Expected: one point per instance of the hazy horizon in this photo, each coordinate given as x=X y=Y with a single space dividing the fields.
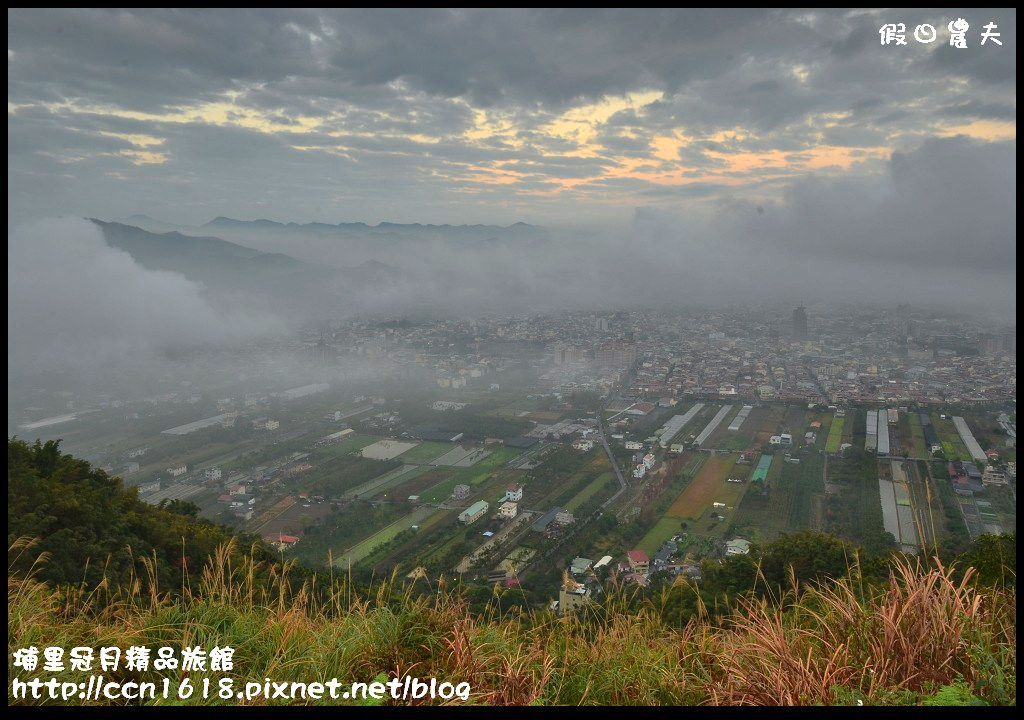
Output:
x=660 y=158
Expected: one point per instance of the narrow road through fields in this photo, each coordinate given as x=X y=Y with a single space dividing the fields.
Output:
x=611 y=459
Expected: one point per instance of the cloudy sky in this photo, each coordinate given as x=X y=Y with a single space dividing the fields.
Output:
x=551 y=117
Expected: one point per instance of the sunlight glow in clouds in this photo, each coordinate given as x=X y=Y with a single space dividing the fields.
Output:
x=599 y=109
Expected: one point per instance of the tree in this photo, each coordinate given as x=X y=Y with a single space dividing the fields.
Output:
x=995 y=559
x=811 y=555
x=91 y=526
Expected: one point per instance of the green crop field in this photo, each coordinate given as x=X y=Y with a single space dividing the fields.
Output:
x=497 y=458
x=796 y=485
x=471 y=476
x=835 y=435
x=788 y=504
x=658 y=535
x=952 y=443
x=386 y=481
x=917 y=436
x=737 y=441
x=360 y=550
x=347 y=444
x=589 y=491
x=425 y=452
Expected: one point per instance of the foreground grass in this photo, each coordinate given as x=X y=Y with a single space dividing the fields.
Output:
x=923 y=638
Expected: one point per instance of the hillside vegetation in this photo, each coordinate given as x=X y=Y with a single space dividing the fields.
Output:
x=786 y=629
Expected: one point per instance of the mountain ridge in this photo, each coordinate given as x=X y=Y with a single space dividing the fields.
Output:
x=224 y=221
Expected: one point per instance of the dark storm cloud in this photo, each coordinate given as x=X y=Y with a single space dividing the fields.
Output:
x=852 y=136
x=991 y=64
x=43 y=131
x=624 y=144
x=854 y=43
x=359 y=90
x=151 y=59
x=159 y=58
x=979 y=109
x=513 y=56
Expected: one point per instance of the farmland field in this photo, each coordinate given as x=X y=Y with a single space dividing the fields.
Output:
x=360 y=550
x=589 y=491
x=566 y=471
x=796 y=485
x=346 y=445
x=658 y=535
x=416 y=483
x=543 y=416
x=835 y=435
x=702 y=491
x=425 y=452
x=463 y=476
x=794 y=420
x=293 y=520
x=501 y=456
x=722 y=434
x=689 y=431
x=334 y=477
x=461 y=456
x=737 y=441
x=383 y=482
x=787 y=506
x=918 y=448
x=386 y=449
x=768 y=419
x=952 y=443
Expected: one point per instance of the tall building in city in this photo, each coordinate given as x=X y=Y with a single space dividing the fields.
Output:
x=1008 y=343
x=615 y=355
x=566 y=354
x=800 y=323
x=322 y=352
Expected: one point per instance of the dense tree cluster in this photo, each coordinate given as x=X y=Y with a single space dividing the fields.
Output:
x=90 y=526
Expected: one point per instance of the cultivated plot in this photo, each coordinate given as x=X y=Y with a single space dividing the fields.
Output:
x=294 y=520
x=460 y=456
x=360 y=550
x=663 y=531
x=897 y=512
x=383 y=482
x=589 y=491
x=415 y=484
x=767 y=421
x=914 y=434
x=425 y=452
x=835 y=435
x=346 y=445
x=723 y=437
x=442 y=491
x=704 y=489
x=387 y=449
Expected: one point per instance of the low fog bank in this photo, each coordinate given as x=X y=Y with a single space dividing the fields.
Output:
x=938 y=231
x=74 y=302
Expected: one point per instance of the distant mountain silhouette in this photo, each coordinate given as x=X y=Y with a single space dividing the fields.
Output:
x=147 y=223
x=194 y=257
x=228 y=268
x=322 y=269
x=519 y=230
